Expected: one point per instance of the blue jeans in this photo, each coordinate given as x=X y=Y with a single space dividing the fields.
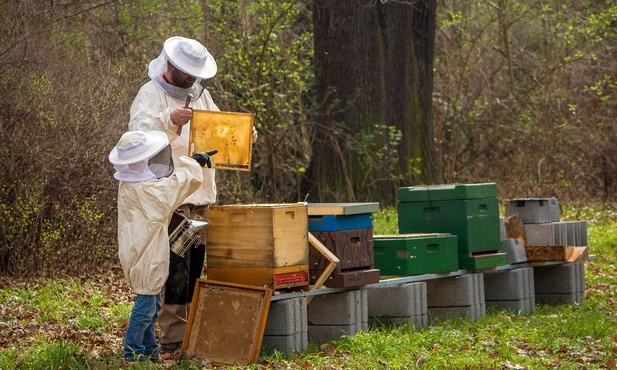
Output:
x=140 y=339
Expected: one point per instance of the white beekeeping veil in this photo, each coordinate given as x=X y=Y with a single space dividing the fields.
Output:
x=141 y=156
x=190 y=57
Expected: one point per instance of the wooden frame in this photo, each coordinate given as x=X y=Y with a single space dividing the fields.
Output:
x=227 y=322
x=334 y=261
x=230 y=133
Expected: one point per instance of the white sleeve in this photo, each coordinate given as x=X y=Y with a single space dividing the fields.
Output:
x=151 y=111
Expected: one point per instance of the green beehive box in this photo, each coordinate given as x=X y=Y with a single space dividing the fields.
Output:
x=474 y=220
x=415 y=254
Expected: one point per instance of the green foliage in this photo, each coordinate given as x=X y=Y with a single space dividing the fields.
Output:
x=58 y=196
x=138 y=28
x=385 y=222
x=264 y=53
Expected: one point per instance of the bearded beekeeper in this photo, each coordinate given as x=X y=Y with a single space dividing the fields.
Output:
x=149 y=192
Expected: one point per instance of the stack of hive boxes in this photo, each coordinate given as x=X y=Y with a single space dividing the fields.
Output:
x=346 y=230
x=259 y=244
x=469 y=211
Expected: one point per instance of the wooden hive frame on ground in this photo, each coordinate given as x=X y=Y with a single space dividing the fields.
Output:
x=227 y=322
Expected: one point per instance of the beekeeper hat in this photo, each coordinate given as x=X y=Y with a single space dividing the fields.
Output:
x=137 y=146
x=190 y=57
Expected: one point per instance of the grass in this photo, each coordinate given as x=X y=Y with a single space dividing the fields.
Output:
x=79 y=324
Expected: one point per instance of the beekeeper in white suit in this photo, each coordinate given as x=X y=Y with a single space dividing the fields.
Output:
x=149 y=192
x=179 y=74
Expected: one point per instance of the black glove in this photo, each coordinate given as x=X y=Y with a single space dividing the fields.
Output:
x=204 y=158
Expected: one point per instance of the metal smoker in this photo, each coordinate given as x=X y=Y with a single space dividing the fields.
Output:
x=185 y=233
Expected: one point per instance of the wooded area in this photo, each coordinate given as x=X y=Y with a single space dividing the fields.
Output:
x=518 y=92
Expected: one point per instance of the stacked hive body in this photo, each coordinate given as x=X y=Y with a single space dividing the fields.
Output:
x=471 y=212
x=415 y=254
x=346 y=230
x=260 y=244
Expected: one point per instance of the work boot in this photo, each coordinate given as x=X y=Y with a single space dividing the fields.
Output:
x=170 y=347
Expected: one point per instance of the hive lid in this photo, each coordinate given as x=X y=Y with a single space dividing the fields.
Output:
x=412 y=236
x=322 y=209
x=426 y=193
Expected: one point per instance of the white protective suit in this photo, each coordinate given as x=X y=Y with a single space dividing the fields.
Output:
x=144 y=211
x=150 y=111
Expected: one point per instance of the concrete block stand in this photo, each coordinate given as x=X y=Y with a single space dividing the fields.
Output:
x=286 y=327
x=514 y=250
x=456 y=296
x=397 y=304
x=512 y=290
x=292 y=324
x=572 y=233
x=331 y=316
x=557 y=284
x=541 y=234
x=535 y=210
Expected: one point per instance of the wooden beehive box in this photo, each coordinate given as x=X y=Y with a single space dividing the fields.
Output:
x=258 y=244
x=346 y=230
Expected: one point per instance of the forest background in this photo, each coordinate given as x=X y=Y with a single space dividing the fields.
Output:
x=523 y=95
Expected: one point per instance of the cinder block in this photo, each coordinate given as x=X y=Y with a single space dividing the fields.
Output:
x=564 y=283
x=502 y=229
x=286 y=327
x=572 y=233
x=540 y=234
x=535 y=210
x=287 y=317
x=583 y=232
x=575 y=233
x=560 y=234
x=506 y=285
x=406 y=302
x=330 y=316
x=563 y=278
x=456 y=296
x=285 y=343
x=462 y=290
x=514 y=250
x=345 y=308
x=511 y=289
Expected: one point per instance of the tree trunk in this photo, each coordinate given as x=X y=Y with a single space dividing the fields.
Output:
x=374 y=66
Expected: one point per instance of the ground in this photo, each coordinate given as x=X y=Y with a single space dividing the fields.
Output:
x=20 y=324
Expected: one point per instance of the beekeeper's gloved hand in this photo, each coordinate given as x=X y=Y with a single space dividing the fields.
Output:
x=204 y=158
